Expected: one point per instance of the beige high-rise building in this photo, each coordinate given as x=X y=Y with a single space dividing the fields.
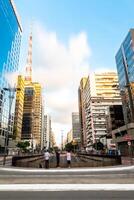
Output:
x=82 y=107
x=32 y=114
x=46 y=131
x=19 y=108
x=99 y=93
x=105 y=85
x=32 y=109
x=28 y=114
x=52 y=139
x=75 y=126
x=37 y=119
x=69 y=136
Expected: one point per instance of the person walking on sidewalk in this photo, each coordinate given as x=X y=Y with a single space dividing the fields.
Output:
x=47 y=156
x=69 y=159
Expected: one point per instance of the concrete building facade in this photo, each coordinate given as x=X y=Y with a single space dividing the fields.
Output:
x=82 y=108
x=69 y=136
x=75 y=126
x=37 y=118
x=99 y=93
x=19 y=108
x=47 y=131
x=28 y=115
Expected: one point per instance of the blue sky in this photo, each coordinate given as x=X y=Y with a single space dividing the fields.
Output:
x=106 y=22
x=96 y=27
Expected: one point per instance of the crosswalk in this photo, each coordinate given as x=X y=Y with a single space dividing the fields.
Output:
x=66 y=187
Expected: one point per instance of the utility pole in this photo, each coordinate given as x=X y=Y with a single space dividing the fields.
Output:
x=61 y=140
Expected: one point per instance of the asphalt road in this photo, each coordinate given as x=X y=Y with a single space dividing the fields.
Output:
x=109 y=183
x=68 y=195
x=67 y=176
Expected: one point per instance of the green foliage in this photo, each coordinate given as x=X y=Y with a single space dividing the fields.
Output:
x=98 y=146
x=69 y=146
x=23 y=145
x=55 y=148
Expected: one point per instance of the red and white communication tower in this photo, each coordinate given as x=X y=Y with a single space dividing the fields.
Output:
x=28 y=76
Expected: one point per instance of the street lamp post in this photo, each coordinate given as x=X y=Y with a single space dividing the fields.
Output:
x=61 y=140
x=11 y=97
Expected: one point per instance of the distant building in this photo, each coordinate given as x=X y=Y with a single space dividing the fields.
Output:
x=10 y=41
x=75 y=126
x=42 y=127
x=47 y=131
x=52 y=140
x=82 y=108
x=69 y=136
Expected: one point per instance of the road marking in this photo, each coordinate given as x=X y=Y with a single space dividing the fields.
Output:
x=66 y=187
x=102 y=169
x=61 y=175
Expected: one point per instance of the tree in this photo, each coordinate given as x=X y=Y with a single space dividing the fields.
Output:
x=23 y=145
x=69 y=146
x=55 y=148
x=98 y=146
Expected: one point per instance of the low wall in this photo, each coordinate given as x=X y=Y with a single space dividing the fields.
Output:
x=127 y=160
x=84 y=160
x=27 y=161
x=100 y=160
x=8 y=161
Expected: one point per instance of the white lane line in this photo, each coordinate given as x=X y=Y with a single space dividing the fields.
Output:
x=103 y=169
x=66 y=187
x=61 y=175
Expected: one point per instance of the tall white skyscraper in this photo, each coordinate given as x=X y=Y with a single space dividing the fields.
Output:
x=47 y=131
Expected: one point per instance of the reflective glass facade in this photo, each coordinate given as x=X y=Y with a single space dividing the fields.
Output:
x=10 y=40
x=128 y=48
x=125 y=67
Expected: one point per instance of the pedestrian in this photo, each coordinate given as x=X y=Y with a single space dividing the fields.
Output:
x=68 y=158
x=46 y=156
x=57 y=158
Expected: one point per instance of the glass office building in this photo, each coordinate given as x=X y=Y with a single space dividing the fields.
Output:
x=10 y=40
x=125 y=67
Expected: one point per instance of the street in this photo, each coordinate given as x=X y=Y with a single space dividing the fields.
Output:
x=75 y=183
x=68 y=195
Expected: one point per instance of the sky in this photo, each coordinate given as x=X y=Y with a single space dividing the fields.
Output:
x=71 y=38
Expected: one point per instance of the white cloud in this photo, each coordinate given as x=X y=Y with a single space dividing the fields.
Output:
x=11 y=78
x=60 y=129
x=59 y=67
